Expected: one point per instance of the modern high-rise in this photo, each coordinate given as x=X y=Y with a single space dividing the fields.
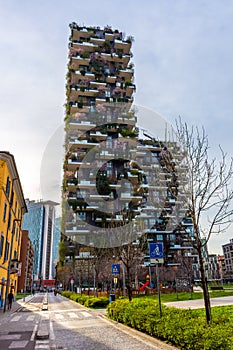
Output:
x=39 y=222
x=119 y=183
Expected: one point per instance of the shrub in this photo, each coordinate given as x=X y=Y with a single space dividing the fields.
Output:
x=86 y=300
x=66 y=294
x=101 y=302
x=186 y=329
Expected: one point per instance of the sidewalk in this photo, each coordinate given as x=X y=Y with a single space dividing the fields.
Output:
x=199 y=303
x=16 y=305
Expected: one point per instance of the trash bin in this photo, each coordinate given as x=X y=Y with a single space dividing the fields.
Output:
x=112 y=297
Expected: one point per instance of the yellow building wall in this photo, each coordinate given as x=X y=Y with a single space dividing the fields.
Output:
x=11 y=215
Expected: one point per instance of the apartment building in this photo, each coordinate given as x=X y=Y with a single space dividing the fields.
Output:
x=25 y=271
x=12 y=210
x=119 y=183
x=228 y=257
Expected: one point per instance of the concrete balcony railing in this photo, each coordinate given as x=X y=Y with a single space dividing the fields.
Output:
x=81 y=125
x=123 y=45
x=86 y=46
x=76 y=61
x=75 y=144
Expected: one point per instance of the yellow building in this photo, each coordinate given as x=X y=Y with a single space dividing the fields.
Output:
x=12 y=209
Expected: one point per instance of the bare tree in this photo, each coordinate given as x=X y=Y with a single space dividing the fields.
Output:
x=208 y=192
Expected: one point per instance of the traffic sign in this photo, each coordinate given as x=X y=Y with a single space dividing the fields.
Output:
x=115 y=269
x=156 y=252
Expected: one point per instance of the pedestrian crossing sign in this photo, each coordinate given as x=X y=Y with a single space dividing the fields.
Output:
x=115 y=269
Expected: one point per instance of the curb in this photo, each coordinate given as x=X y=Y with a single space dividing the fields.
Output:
x=42 y=331
x=45 y=303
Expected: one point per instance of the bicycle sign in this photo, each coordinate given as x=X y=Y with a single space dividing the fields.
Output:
x=156 y=252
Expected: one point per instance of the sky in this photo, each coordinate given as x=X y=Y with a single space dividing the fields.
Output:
x=183 y=56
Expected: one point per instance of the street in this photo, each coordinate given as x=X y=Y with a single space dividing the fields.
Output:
x=70 y=326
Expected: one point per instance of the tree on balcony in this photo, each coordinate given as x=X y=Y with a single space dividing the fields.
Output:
x=102 y=183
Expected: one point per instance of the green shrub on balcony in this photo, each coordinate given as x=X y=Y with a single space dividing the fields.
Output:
x=85 y=54
x=129 y=133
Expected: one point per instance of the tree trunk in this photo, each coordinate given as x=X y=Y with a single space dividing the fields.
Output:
x=204 y=282
x=128 y=284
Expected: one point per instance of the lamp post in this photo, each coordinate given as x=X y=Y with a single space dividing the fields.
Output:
x=9 y=263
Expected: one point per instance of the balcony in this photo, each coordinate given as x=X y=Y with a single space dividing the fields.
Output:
x=109 y=36
x=99 y=100
x=129 y=196
x=82 y=74
x=86 y=46
x=122 y=45
x=145 y=146
x=96 y=84
x=99 y=196
x=82 y=125
x=71 y=184
x=86 y=184
x=77 y=230
x=82 y=33
x=76 y=92
x=73 y=164
x=127 y=120
x=98 y=135
x=127 y=74
x=76 y=144
x=76 y=61
x=97 y=41
x=107 y=155
x=111 y=79
x=129 y=90
x=78 y=107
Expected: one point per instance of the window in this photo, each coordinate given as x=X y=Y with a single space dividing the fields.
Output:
x=9 y=222
x=12 y=197
x=1 y=244
x=82 y=216
x=5 y=211
x=6 y=251
x=8 y=186
x=16 y=234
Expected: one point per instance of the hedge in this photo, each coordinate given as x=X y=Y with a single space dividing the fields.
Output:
x=86 y=300
x=186 y=329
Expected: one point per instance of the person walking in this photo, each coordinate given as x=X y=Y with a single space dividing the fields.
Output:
x=10 y=300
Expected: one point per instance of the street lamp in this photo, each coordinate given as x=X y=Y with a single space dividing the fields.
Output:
x=9 y=263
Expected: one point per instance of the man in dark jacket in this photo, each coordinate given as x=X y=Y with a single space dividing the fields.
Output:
x=10 y=300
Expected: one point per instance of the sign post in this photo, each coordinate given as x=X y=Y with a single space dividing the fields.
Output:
x=157 y=257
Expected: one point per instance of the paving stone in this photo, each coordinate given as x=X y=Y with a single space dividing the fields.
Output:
x=18 y=344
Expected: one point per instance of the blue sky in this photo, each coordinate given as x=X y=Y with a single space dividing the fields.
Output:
x=183 y=56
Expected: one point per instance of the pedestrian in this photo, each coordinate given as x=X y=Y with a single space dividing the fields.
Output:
x=10 y=300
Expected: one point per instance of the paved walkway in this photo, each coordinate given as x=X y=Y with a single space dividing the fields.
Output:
x=199 y=303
